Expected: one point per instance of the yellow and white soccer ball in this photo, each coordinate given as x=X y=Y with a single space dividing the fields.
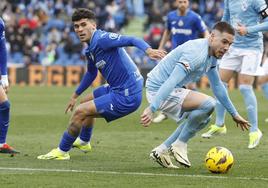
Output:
x=219 y=160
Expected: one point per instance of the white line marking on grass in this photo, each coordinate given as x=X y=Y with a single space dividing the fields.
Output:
x=131 y=173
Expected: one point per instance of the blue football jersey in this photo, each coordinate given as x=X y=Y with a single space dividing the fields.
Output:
x=247 y=13
x=105 y=52
x=184 y=28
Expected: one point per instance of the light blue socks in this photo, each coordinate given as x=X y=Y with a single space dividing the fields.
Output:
x=251 y=105
x=196 y=121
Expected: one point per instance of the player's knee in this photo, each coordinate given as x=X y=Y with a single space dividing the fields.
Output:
x=209 y=105
x=79 y=113
x=74 y=129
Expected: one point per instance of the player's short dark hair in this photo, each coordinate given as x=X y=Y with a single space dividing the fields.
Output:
x=224 y=27
x=82 y=13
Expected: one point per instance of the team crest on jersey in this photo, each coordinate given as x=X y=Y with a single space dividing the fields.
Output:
x=113 y=36
x=244 y=5
x=180 y=23
x=100 y=64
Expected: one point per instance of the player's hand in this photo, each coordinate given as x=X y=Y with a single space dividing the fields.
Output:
x=71 y=103
x=146 y=117
x=156 y=54
x=240 y=121
x=4 y=82
x=241 y=29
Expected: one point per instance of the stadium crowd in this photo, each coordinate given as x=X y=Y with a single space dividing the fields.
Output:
x=40 y=32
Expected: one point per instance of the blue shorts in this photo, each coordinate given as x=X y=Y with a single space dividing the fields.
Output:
x=112 y=105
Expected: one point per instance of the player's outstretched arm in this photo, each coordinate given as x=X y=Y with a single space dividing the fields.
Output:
x=222 y=95
x=113 y=40
x=155 y=54
x=86 y=81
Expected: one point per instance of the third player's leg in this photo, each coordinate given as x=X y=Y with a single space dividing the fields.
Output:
x=84 y=113
x=3 y=96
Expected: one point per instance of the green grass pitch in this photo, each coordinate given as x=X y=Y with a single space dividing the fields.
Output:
x=120 y=149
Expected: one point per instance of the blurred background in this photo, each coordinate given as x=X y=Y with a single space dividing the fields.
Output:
x=39 y=32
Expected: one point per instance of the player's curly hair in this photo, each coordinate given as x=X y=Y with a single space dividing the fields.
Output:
x=81 y=13
x=224 y=27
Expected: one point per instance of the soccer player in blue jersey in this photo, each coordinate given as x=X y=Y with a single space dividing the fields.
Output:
x=187 y=63
x=182 y=25
x=4 y=103
x=120 y=97
x=249 y=18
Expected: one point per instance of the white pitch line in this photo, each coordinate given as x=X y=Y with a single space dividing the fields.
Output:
x=131 y=173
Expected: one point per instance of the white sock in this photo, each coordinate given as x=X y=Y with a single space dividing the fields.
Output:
x=180 y=144
x=1 y=145
x=82 y=142
x=63 y=152
x=162 y=147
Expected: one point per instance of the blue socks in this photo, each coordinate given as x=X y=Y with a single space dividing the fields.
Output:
x=220 y=111
x=4 y=120
x=251 y=105
x=86 y=133
x=66 y=142
x=196 y=121
x=265 y=89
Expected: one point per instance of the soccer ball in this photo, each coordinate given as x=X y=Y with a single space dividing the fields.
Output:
x=219 y=160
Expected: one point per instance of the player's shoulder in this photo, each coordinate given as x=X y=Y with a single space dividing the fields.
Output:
x=196 y=47
x=101 y=34
x=197 y=42
x=172 y=13
x=193 y=14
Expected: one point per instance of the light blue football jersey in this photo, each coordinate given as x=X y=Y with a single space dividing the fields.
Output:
x=192 y=54
x=247 y=13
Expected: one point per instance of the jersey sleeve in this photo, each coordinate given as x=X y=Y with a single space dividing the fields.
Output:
x=3 y=50
x=200 y=24
x=88 y=78
x=177 y=75
x=168 y=23
x=220 y=91
x=187 y=58
x=113 y=40
x=259 y=5
x=226 y=12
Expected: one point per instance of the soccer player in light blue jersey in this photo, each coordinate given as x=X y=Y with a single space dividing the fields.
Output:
x=120 y=97
x=249 y=18
x=263 y=80
x=4 y=102
x=187 y=63
x=182 y=25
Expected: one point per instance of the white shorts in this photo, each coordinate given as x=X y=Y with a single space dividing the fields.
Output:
x=265 y=67
x=173 y=104
x=244 y=61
